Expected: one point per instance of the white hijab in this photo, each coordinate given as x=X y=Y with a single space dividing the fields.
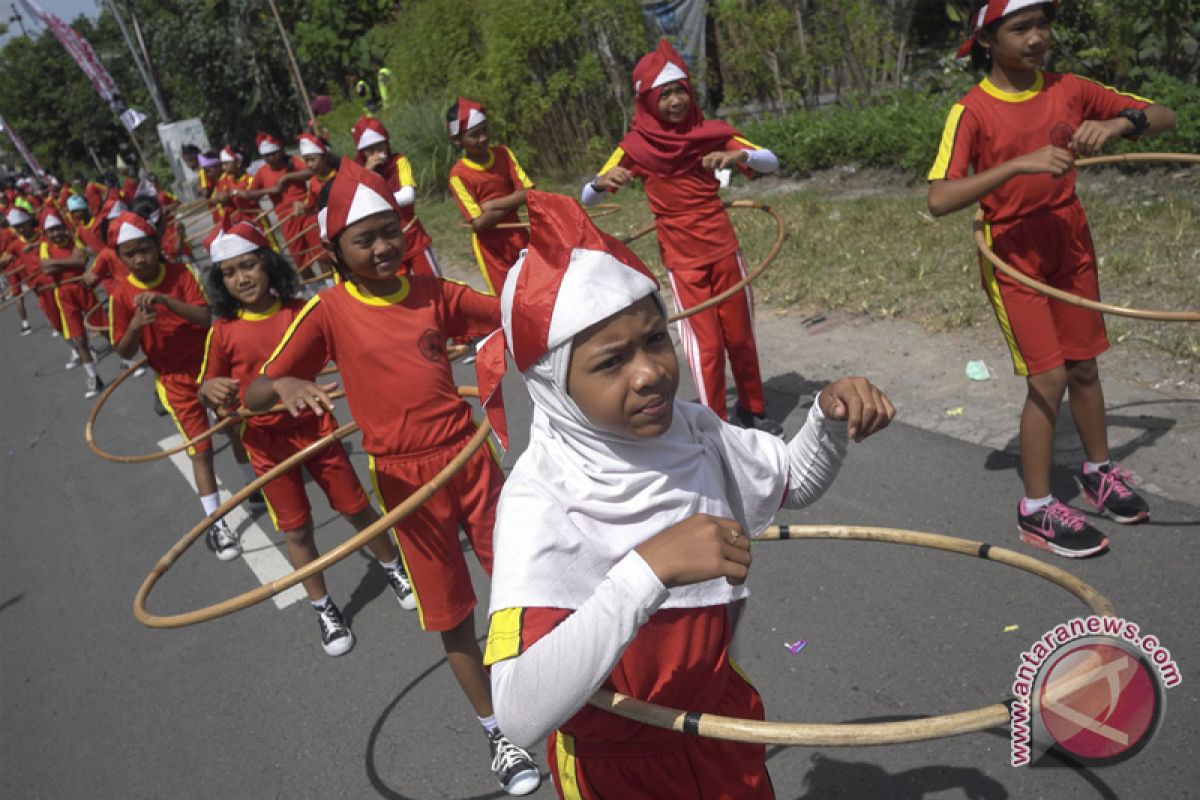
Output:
x=581 y=497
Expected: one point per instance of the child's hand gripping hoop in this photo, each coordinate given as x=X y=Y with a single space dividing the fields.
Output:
x=751 y=276
x=232 y=419
x=268 y=590
x=1074 y=299
x=855 y=734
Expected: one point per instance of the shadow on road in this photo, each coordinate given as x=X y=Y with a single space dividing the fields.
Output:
x=12 y=601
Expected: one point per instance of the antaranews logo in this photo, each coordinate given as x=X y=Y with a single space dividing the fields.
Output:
x=1094 y=687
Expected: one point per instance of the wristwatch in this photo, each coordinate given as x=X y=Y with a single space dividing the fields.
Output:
x=1138 y=117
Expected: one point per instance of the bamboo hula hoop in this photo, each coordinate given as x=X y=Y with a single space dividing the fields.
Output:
x=89 y=429
x=322 y=563
x=855 y=734
x=92 y=328
x=601 y=209
x=751 y=276
x=985 y=249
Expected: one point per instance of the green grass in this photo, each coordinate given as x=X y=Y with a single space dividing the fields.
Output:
x=883 y=256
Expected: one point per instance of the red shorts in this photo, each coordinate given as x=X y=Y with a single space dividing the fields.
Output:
x=73 y=300
x=428 y=538
x=48 y=305
x=1055 y=247
x=286 y=499
x=178 y=393
x=674 y=767
x=422 y=263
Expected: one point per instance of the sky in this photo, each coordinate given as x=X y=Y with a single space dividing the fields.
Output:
x=68 y=10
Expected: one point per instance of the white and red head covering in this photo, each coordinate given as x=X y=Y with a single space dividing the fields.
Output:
x=366 y=132
x=354 y=194
x=128 y=227
x=17 y=216
x=310 y=145
x=994 y=11
x=661 y=147
x=112 y=208
x=267 y=144
x=470 y=114
x=237 y=240
x=229 y=155
x=51 y=220
x=581 y=497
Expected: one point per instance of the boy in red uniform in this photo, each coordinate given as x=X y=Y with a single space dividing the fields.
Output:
x=387 y=333
x=1010 y=144
x=63 y=257
x=285 y=180
x=373 y=150
x=234 y=177
x=14 y=258
x=160 y=307
x=675 y=151
x=253 y=291
x=489 y=186
x=622 y=534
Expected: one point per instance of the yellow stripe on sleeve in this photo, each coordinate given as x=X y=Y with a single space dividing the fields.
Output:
x=404 y=172
x=504 y=636
x=207 y=349
x=746 y=142
x=287 y=335
x=521 y=176
x=613 y=161
x=941 y=164
x=1105 y=86
x=464 y=197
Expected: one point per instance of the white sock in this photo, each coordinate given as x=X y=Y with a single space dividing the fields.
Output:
x=126 y=363
x=320 y=604
x=489 y=723
x=391 y=565
x=210 y=502
x=90 y=369
x=247 y=471
x=1030 y=505
x=1094 y=466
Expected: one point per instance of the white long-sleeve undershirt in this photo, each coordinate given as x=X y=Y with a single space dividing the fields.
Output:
x=406 y=196
x=543 y=687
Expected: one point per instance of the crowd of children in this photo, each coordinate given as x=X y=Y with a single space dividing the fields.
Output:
x=618 y=547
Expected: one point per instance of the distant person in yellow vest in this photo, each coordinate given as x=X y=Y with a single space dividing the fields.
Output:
x=383 y=82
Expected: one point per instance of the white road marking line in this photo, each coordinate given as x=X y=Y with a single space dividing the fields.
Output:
x=261 y=554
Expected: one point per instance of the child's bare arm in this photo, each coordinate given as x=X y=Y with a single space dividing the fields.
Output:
x=296 y=394
x=1093 y=134
x=219 y=392
x=495 y=210
x=200 y=316
x=949 y=195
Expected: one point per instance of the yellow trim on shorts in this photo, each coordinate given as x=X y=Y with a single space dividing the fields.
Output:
x=568 y=775
x=395 y=539
x=161 y=391
x=504 y=635
x=62 y=315
x=992 y=287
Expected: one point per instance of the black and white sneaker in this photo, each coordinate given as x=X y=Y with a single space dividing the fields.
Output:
x=256 y=502
x=512 y=766
x=26 y=328
x=1110 y=491
x=94 y=385
x=222 y=542
x=336 y=636
x=756 y=422
x=75 y=360
x=398 y=579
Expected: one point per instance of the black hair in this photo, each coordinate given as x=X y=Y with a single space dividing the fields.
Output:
x=981 y=57
x=375 y=59
x=145 y=206
x=282 y=279
x=322 y=202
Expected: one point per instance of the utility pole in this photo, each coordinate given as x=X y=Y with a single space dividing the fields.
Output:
x=148 y=79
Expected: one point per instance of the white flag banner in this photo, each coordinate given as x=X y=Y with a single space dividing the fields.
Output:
x=86 y=58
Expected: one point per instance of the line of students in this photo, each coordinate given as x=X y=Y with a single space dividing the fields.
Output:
x=618 y=548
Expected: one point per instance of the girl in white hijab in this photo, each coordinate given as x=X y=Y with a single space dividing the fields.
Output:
x=621 y=536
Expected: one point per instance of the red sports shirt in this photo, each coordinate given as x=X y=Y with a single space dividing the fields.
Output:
x=474 y=184
x=171 y=343
x=237 y=348
x=693 y=228
x=989 y=127
x=282 y=195
x=391 y=355
x=108 y=265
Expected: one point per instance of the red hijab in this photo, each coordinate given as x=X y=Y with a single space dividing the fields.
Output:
x=660 y=147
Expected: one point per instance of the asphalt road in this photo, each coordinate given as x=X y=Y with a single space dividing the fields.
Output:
x=95 y=705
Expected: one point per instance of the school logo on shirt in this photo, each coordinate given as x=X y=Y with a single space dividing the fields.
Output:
x=432 y=345
x=1061 y=135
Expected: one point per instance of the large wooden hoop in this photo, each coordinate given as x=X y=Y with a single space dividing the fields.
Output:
x=91 y=327
x=855 y=734
x=257 y=595
x=751 y=276
x=1074 y=299
x=601 y=209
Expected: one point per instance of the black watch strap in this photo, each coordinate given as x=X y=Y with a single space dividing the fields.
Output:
x=1138 y=117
